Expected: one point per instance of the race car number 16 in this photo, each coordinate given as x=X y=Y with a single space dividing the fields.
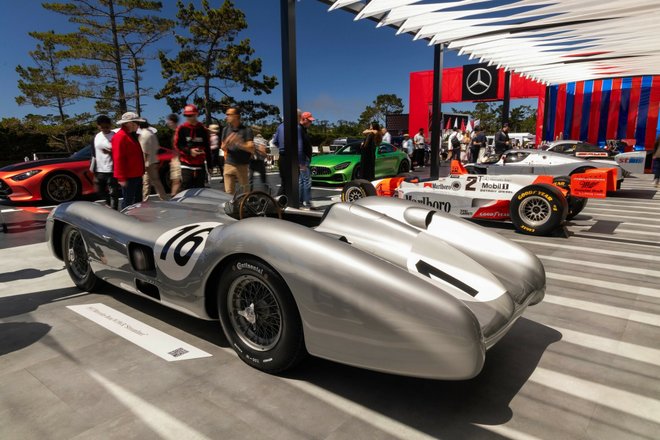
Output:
x=177 y=250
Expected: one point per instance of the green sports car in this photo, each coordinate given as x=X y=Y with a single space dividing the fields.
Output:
x=344 y=165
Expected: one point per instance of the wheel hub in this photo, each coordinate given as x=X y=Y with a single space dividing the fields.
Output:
x=535 y=210
x=249 y=314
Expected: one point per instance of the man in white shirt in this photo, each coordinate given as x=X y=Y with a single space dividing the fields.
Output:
x=407 y=147
x=387 y=137
x=150 y=145
x=420 y=144
x=105 y=184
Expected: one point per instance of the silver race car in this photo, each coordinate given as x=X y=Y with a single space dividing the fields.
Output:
x=539 y=162
x=383 y=284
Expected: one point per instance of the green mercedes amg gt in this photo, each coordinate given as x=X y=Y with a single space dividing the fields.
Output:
x=344 y=165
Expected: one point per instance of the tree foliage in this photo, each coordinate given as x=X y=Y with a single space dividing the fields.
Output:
x=107 y=29
x=211 y=60
x=522 y=119
x=46 y=85
x=382 y=106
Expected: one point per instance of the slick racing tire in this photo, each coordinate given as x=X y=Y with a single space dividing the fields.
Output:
x=357 y=189
x=60 y=188
x=538 y=209
x=260 y=317
x=575 y=204
x=76 y=259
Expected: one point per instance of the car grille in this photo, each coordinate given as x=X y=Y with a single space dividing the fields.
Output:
x=321 y=171
x=5 y=190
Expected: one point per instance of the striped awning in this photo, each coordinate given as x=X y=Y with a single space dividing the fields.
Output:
x=552 y=41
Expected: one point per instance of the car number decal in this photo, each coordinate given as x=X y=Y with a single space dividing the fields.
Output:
x=178 y=250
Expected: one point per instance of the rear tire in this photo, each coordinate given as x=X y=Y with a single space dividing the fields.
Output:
x=259 y=316
x=538 y=209
x=357 y=189
x=404 y=167
x=76 y=259
x=60 y=188
x=575 y=204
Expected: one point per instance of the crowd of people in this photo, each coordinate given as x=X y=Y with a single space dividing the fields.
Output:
x=126 y=160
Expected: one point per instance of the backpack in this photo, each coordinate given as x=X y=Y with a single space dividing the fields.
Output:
x=455 y=143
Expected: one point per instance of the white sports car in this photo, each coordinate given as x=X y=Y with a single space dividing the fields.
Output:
x=539 y=162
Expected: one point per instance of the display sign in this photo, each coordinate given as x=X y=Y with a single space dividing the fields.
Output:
x=480 y=82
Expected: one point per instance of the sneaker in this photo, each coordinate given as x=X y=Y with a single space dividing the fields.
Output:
x=305 y=208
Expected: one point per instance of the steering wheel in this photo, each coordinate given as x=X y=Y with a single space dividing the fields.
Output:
x=258 y=204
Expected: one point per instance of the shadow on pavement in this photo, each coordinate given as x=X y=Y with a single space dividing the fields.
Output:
x=647 y=194
x=18 y=335
x=25 y=274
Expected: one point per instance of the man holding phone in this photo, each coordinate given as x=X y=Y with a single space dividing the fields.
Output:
x=191 y=141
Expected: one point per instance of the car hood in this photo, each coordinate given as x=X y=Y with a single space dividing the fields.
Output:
x=330 y=160
x=38 y=163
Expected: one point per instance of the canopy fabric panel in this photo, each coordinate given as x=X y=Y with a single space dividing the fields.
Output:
x=550 y=41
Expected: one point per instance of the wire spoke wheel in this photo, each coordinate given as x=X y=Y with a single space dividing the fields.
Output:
x=254 y=312
x=77 y=255
x=535 y=210
x=61 y=188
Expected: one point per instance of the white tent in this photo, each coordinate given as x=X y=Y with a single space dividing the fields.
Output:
x=553 y=41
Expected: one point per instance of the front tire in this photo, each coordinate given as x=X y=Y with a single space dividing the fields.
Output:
x=357 y=189
x=76 y=259
x=404 y=167
x=538 y=209
x=259 y=316
x=60 y=187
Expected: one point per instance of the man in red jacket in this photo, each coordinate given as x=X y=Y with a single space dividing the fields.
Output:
x=128 y=159
x=192 y=142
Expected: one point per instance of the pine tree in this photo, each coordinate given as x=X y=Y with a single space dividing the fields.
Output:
x=382 y=106
x=100 y=43
x=210 y=59
x=46 y=85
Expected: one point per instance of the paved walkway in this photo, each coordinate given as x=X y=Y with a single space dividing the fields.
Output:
x=583 y=364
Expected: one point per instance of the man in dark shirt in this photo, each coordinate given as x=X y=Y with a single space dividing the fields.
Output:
x=238 y=146
x=479 y=141
x=502 y=142
x=191 y=141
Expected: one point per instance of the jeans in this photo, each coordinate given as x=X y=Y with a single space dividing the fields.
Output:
x=106 y=186
x=132 y=192
x=305 y=185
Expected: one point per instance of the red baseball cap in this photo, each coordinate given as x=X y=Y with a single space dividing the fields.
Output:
x=307 y=115
x=190 y=109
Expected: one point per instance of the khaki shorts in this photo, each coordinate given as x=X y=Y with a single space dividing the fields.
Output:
x=175 y=169
x=235 y=174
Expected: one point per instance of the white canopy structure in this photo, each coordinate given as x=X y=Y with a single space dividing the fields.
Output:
x=553 y=41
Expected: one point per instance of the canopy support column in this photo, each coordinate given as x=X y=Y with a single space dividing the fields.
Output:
x=290 y=100
x=436 y=121
x=506 y=105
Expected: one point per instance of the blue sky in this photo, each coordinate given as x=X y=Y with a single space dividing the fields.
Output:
x=342 y=64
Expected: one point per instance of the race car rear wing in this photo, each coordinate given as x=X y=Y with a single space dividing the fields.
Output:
x=594 y=183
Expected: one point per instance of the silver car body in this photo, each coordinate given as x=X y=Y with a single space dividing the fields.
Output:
x=384 y=284
x=539 y=162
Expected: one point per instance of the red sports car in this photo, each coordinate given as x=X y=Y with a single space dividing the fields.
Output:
x=58 y=180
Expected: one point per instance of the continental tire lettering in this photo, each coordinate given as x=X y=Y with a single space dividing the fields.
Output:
x=248 y=266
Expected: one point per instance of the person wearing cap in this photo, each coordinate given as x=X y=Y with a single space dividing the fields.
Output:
x=502 y=141
x=238 y=146
x=172 y=122
x=150 y=145
x=191 y=141
x=128 y=159
x=408 y=148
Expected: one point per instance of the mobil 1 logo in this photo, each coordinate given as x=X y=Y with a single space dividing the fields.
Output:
x=178 y=249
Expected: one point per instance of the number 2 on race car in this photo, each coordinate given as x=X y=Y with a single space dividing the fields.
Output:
x=178 y=249
x=471 y=181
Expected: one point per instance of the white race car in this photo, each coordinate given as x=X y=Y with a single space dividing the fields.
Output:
x=536 y=205
x=546 y=163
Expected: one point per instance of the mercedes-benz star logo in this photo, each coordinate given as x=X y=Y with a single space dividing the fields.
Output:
x=479 y=81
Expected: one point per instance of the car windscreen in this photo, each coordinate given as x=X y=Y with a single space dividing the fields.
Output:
x=515 y=156
x=84 y=154
x=349 y=149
